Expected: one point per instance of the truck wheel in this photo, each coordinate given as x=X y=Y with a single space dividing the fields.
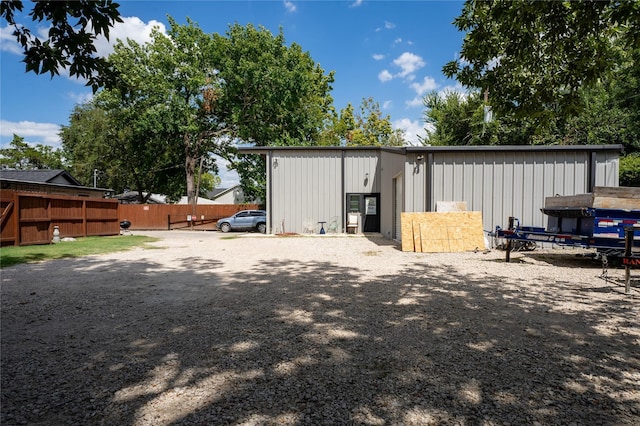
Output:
x=262 y=228
x=225 y=227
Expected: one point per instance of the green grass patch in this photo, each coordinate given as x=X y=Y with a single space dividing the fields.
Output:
x=12 y=255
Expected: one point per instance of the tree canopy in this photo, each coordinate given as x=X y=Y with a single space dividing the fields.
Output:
x=22 y=156
x=274 y=95
x=365 y=127
x=74 y=27
x=533 y=57
x=188 y=95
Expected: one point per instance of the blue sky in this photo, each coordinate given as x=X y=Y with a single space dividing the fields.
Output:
x=392 y=51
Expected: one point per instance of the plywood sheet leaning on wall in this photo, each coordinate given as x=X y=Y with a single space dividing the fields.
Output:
x=438 y=232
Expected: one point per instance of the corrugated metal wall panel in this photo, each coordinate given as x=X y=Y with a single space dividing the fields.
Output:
x=503 y=184
x=392 y=165
x=415 y=187
x=306 y=190
x=362 y=174
x=307 y=185
x=607 y=169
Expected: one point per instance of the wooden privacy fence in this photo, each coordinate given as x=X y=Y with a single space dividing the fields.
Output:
x=178 y=216
x=29 y=218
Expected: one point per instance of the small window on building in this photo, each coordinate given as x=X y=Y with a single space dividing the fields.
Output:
x=354 y=203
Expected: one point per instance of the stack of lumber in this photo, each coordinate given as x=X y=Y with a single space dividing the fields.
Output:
x=602 y=197
x=440 y=232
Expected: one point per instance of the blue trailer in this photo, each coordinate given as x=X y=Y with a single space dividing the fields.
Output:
x=596 y=220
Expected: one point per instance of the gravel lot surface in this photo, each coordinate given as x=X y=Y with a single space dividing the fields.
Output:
x=204 y=329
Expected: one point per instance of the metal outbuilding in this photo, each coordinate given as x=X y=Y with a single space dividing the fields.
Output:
x=310 y=189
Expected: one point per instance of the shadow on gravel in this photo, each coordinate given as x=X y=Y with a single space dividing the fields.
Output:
x=307 y=343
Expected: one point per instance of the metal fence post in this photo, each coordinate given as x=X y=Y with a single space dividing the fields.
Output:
x=628 y=246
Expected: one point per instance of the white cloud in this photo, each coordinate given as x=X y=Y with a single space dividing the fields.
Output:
x=415 y=102
x=455 y=88
x=385 y=76
x=290 y=6
x=8 y=42
x=80 y=98
x=131 y=28
x=397 y=41
x=356 y=3
x=412 y=130
x=409 y=63
x=387 y=104
x=32 y=132
x=428 y=84
x=389 y=25
x=378 y=56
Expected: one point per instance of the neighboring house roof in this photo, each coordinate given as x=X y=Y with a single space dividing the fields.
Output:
x=131 y=197
x=185 y=200
x=60 y=177
x=216 y=192
x=219 y=192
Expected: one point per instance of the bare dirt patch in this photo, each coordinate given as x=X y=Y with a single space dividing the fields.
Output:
x=260 y=330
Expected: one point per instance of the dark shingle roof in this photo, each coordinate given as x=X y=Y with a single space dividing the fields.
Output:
x=40 y=176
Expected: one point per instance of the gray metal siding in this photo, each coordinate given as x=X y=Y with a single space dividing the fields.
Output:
x=361 y=172
x=308 y=185
x=503 y=184
x=415 y=186
x=306 y=188
x=607 y=169
x=392 y=165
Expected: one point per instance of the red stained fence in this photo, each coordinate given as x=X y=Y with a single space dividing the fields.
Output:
x=29 y=218
x=178 y=216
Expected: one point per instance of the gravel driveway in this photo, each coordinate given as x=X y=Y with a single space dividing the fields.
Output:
x=259 y=330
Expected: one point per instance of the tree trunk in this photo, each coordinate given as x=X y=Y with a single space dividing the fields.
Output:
x=190 y=169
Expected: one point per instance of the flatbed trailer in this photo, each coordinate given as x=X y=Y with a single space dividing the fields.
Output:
x=600 y=220
x=615 y=235
x=601 y=229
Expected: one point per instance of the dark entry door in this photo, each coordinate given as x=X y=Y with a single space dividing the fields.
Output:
x=368 y=205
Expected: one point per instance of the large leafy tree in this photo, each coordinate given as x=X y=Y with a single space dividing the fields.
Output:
x=274 y=95
x=455 y=118
x=534 y=57
x=556 y=73
x=367 y=127
x=164 y=109
x=86 y=145
x=74 y=26
x=187 y=95
x=21 y=155
x=99 y=145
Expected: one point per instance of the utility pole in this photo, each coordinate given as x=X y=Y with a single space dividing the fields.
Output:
x=95 y=178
